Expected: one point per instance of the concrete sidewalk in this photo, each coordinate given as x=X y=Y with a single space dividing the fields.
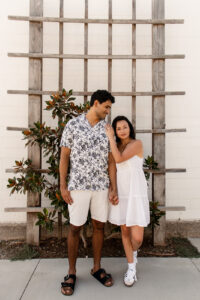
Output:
x=158 y=278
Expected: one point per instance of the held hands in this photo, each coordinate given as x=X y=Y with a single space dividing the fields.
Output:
x=66 y=196
x=109 y=131
x=113 y=197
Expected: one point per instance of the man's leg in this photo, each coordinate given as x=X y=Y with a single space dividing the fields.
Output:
x=99 y=211
x=78 y=212
x=73 y=243
x=97 y=243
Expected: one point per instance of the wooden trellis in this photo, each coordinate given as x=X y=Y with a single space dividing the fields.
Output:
x=158 y=93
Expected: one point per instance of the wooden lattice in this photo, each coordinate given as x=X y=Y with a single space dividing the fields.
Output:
x=158 y=92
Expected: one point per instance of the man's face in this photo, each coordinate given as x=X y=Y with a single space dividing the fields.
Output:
x=102 y=109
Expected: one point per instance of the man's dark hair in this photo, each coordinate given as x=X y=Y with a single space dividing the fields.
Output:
x=101 y=96
x=122 y=118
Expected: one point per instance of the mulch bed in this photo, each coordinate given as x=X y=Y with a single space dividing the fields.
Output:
x=54 y=248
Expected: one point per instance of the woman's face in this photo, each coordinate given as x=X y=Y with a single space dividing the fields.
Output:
x=122 y=130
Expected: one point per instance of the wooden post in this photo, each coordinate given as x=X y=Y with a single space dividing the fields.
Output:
x=34 y=111
x=109 y=52
x=60 y=87
x=134 y=64
x=60 y=79
x=158 y=114
x=86 y=51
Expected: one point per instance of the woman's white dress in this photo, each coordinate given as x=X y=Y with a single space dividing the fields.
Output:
x=133 y=207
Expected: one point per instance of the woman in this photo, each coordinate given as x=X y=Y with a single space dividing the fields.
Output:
x=132 y=212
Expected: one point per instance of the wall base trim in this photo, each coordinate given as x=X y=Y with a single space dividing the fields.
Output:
x=11 y=231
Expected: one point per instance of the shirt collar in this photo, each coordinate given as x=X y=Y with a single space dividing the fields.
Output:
x=84 y=119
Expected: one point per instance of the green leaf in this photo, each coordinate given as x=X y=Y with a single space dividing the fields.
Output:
x=40 y=215
x=45 y=211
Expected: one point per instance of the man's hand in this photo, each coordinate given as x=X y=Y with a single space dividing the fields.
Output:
x=113 y=197
x=66 y=196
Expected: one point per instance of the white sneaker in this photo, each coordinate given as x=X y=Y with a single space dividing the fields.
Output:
x=130 y=276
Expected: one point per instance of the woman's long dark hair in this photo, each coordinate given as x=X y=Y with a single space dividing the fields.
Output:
x=114 y=125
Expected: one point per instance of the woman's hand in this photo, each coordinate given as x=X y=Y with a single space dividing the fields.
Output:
x=109 y=131
x=113 y=197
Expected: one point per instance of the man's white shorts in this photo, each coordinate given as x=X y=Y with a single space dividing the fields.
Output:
x=96 y=201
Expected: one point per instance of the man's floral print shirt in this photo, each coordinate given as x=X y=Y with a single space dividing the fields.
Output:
x=89 y=154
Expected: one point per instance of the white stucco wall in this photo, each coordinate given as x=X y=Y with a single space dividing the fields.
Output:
x=182 y=149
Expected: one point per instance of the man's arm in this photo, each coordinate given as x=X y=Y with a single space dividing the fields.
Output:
x=63 y=168
x=112 y=171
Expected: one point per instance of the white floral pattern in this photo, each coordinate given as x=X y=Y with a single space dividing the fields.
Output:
x=89 y=154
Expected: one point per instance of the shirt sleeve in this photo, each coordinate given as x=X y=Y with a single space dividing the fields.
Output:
x=67 y=136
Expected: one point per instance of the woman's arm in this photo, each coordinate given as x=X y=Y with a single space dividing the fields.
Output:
x=133 y=148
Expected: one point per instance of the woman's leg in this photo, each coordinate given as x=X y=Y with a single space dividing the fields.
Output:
x=130 y=275
x=126 y=240
x=137 y=234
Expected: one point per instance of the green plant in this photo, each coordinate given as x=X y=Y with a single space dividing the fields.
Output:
x=34 y=180
x=155 y=214
x=46 y=219
x=149 y=164
x=30 y=180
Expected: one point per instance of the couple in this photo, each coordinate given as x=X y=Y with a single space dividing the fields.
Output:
x=106 y=177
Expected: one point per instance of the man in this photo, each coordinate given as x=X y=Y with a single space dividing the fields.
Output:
x=92 y=181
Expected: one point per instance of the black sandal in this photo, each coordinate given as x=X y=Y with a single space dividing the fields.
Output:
x=68 y=284
x=103 y=280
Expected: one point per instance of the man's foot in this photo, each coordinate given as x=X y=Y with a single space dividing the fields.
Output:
x=130 y=276
x=103 y=277
x=67 y=287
